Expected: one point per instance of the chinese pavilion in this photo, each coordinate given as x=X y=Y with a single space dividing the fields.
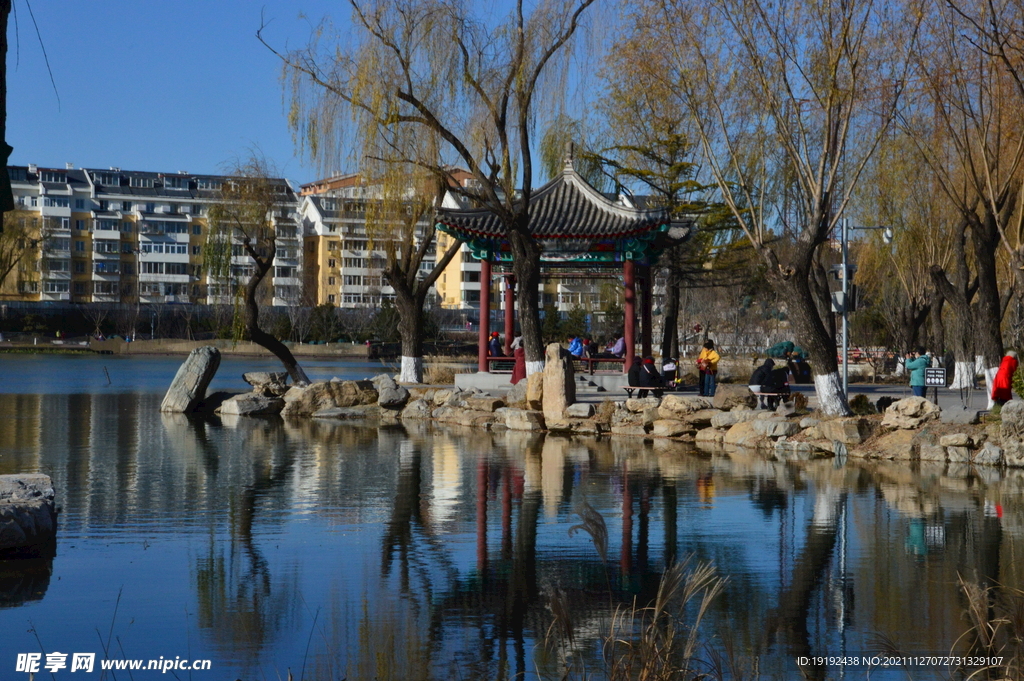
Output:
x=581 y=232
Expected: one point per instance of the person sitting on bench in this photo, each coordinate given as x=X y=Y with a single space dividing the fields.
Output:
x=759 y=378
x=650 y=378
x=776 y=388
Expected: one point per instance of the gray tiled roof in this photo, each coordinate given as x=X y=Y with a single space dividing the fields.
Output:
x=566 y=207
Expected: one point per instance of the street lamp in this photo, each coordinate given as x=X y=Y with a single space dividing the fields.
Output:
x=845 y=306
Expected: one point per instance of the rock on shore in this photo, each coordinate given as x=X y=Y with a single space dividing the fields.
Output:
x=189 y=385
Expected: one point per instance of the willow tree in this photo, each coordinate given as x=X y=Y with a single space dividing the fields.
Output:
x=19 y=244
x=445 y=69
x=777 y=94
x=251 y=203
x=399 y=220
x=969 y=130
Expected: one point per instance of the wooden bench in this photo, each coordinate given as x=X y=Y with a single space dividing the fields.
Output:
x=780 y=395
x=587 y=365
x=500 y=365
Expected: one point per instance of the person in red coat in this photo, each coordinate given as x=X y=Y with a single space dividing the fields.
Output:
x=519 y=367
x=1002 y=385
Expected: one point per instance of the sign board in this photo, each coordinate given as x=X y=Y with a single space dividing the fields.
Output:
x=935 y=377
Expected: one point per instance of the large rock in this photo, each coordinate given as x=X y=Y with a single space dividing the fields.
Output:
x=28 y=517
x=909 y=413
x=489 y=404
x=989 y=455
x=535 y=391
x=268 y=383
x=850 y=431
x=896 y=445
x=516 y=396
x=775 y=427
x=304 y=400
x=958 y=454
x=678 y=406
x=364 y=411
x=727 y=419
x=523 y=419
x=709 y=437
x=189 y=385
x=743 y=434
x=731 y=396
x=392 y=397
x=1012 y=421
x=639 y=405
x=580 y=410
x=559 y=382
x=417 y=409
x=670 y=428
x=251 y=404
x=702 y=418
x=383 y=381
x=956 y=440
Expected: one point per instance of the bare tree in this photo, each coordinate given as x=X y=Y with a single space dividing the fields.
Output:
x=251 y=202
x=777 y=93
x=19 y=243
x=435 y=69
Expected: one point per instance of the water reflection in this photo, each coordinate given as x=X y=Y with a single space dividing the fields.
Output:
x=417 y=552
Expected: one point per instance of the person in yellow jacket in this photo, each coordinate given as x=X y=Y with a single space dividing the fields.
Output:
x=707 y=366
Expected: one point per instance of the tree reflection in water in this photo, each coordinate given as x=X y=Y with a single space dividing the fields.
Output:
x=242 y=607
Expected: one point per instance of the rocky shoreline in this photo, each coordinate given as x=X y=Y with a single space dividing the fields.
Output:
x=909 y=429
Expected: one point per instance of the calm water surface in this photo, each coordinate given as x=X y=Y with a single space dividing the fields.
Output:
x=350 y=551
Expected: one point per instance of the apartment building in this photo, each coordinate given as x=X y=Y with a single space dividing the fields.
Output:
x=113 y=235
x=343 y=260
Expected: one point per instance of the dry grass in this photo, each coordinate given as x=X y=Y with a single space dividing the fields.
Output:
x=603 y=415
x=657 y=642
x=442 y=374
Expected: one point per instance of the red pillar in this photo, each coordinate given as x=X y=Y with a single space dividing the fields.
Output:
x=485 y=313
x=481 y=514
x=646 y=304
x=510 y=312
x=626 y=550
x=629 y=333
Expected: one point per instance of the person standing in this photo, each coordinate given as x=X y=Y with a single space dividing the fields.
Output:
x=707 y=365
x=916 y=363
x=519 y=367
x=1002 y=384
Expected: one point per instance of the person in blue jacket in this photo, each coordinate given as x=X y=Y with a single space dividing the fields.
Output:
x=916 y=363
x=575 y=346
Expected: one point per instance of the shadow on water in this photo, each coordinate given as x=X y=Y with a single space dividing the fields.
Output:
x=24 y=580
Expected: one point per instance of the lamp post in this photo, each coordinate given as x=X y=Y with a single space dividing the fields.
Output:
x=845 y=308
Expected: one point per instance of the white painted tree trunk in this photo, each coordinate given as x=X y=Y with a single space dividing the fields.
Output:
x=412 y=370
x=963 y=376
x=831 y=400
x=534 y=368
x=990 y=377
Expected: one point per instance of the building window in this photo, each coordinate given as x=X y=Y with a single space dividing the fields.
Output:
x=330 y=299
x=54 y=176
x=129 y=268
x=79 y=288
x=55 y=202
x=150 y=207
x=332 y=263
x=79 y=224
x=353 y=280
x=196 y=250
x=333 y=245
x=176 y=182
x=151 y=268
x=109 y=179
x=79 y=267
x=471 y=296
x=471 y=276
x=29 y=286
x=126 y=206
x=106 y=225
x=56 y=286
x=105 y=288
x=197 y=229
x=79 y=245
x=104 y=246
x=330 y=281
x=107 y=267
x=126 y=247
x=176 y=268
x=35 y=201
x=126 y=226
x=143 y=182
x=79 y=204
x=207 y=183
x=284 y=272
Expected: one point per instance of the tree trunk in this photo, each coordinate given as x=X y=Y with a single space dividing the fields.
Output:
x=6 y=196
x=963 y=331
x=261 y=337
x=938 y=331
x=988 y=336
x=815 y=338
x=410 y=328
x=670 y=333
x=526 y=266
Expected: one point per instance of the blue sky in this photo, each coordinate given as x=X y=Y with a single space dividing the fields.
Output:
x=162 y=86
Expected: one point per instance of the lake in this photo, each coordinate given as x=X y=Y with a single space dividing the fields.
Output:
x=350 y=551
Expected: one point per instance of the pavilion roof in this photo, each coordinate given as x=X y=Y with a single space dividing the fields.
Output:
x=569 y=216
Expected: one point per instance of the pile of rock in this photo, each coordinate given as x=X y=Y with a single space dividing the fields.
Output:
x=28 y=517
